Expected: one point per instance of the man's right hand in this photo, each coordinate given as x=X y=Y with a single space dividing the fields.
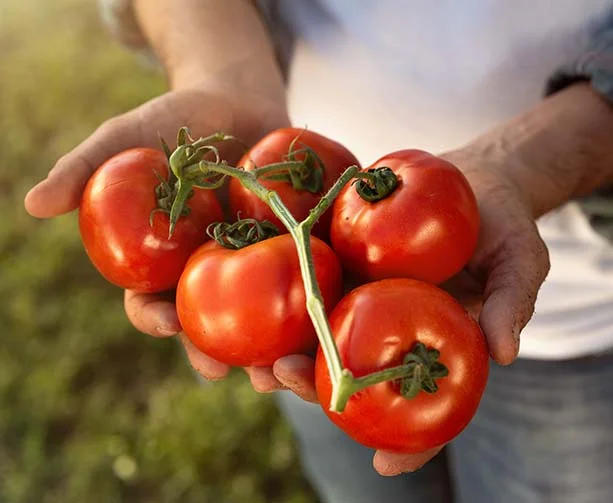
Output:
x=204 y=113
x=221 y=67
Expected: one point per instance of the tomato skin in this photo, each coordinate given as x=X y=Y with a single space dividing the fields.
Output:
x=272 y=149
x=247 y=307
x=374 y=326
x=426 y=229
x=115 y=229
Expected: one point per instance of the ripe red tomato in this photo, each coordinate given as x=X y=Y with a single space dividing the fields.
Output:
x=375 y=326
x=247 y=307
x=274 y=148
x=114 y=220
x=426 y=228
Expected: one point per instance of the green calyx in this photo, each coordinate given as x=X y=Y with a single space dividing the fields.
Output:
x=423 y=370
x=306 y=173
x=186 y=174
x=376 y=183
x=166 y=194
x=242 y=233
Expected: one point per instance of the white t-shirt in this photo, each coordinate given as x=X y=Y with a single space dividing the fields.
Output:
x=383 y=75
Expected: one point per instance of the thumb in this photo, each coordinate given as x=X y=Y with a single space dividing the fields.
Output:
x=390 y=464
x=61 y=191
x=297 y=372
x=515 y=272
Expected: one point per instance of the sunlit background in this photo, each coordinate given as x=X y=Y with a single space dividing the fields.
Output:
x=93 y=411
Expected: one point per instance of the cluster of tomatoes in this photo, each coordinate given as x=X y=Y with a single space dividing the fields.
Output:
x=407 y=223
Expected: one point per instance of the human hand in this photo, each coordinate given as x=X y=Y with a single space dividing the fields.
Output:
x=499 y=285
x=557 y=151
x=204 y=111
x=222 y=69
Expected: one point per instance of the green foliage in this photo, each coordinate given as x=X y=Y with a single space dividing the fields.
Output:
x=92 y=411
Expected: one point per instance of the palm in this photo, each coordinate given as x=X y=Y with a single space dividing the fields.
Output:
x=202 y=112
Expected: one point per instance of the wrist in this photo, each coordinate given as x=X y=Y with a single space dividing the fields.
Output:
x=191 y=74
x=212 y=44
x=557 y=151
x=491 y=167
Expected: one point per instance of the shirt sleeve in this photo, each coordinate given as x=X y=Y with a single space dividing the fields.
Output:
x=594 y=65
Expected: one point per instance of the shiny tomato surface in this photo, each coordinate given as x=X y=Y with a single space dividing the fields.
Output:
x=375 y=326
x=114 y=221
x=247 y=307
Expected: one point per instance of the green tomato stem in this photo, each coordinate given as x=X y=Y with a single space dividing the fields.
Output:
x=343 y=383
x=300 y=232
x=184 y=192
x=326 y=201
x=277 y=167
x=376 y=184
x=349 y=385
x=244 y=232
x=183 y=166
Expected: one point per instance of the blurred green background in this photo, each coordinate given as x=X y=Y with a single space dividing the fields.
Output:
x=93 y=411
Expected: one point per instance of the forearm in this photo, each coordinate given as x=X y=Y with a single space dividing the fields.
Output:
x=212 y=43
x=559 y=150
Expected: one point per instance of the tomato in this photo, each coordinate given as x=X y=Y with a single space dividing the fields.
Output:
x=114 y=220
x=247 y=307
x=274 y=148
x=426 y=228
x=375 y=326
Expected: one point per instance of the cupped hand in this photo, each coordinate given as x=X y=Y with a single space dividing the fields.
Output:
x=498 y=287
x=204 y=112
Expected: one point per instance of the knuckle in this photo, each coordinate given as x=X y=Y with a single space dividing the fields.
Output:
x=134 y=311
x=111 y=126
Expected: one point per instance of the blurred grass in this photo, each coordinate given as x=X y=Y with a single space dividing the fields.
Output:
x=92 y=411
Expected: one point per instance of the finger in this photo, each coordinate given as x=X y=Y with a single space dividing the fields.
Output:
x=517 y=269
x=153 y=314
x=389 y=464
x=61 y=191
x=297 y=372
x=468 y=291
x=206 y=366
x=263 y=380
x=511 y=260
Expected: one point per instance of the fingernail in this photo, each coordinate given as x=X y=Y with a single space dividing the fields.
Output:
x=395 y=473
x=413 y=469
x=267 y=390
x=212 y=378
x=390 y=474
x=166 y=331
